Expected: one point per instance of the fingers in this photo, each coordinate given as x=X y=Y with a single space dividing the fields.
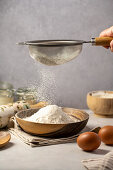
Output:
x=108 y=33
x=111 y=45
x=103 y=33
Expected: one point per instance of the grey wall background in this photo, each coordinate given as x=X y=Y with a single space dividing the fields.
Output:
x=56 y=19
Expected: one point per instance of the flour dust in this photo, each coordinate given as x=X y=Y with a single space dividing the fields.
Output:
x=45 y=85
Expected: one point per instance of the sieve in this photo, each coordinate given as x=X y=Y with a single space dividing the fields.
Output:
x=56 y=52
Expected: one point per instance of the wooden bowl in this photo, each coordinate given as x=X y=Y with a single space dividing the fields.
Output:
x=99 y=105
x=53 y=130
x=4 y=138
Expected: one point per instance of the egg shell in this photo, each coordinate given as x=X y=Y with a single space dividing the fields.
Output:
x=89 y=141
x=106 y=134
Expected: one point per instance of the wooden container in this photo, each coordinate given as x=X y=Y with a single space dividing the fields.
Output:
x=4 y=138
x=53 y=130
x=101 y=102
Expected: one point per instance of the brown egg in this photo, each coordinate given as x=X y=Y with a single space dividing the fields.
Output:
x=88 y=141
x=106 y=134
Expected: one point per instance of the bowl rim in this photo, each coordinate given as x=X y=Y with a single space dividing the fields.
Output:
x=104 y=91
x=52 y=124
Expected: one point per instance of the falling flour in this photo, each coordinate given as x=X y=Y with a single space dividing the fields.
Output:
x=45 y=85
x=51 y=114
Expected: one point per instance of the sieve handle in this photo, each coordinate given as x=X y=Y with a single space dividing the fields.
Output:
x=102 y=41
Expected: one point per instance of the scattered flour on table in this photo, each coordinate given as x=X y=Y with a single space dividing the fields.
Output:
x=51 y=114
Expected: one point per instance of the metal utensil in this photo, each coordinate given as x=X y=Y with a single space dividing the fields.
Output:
x=56 y=52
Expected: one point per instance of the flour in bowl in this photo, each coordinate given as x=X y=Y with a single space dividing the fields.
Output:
x=51 y=114
x=102 y=94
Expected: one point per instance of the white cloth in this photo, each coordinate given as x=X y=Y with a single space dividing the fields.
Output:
x=102 y=163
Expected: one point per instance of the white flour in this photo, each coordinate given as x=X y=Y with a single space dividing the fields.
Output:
x=51 y=114
x=102 y=94
x=45 y=85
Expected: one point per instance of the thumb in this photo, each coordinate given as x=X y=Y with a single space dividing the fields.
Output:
x=107 y=33
x=111 y=45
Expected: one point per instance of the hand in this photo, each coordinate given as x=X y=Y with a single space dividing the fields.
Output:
x=108 y=33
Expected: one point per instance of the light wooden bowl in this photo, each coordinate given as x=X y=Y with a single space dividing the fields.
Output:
x=99 y=105
x=53 y=130
x=4 y=138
